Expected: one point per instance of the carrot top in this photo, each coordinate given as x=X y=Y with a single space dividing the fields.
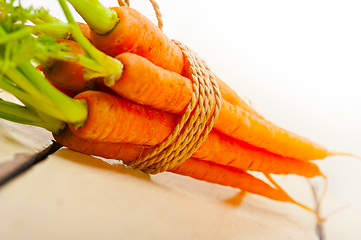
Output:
x=99 y=18
x=40 y=104
x=22 y=45
x=98 y=64
x=43 y=16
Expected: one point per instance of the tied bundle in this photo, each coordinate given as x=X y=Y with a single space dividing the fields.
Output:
x=118 y=87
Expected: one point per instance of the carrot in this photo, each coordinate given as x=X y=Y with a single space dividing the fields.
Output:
x=225 y=150
x=76 y=64
x=120 y=151
x=192 y=167
x=147 y=84
x=228 y=176
x=67 y=92
x=240 y=124
x=67 y=74
x=62 y=69
x=113 y=119
x=130 y=31
x=137 y=34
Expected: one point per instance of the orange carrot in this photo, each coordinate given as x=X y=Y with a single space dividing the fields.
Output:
x=147 y=84
x=228 y=176
x=241 y=125
x=137 y=34
x=113 y=119
x=67 y=92
x=195 y=168
x=66 y=74
x=225 y=150
x=120 y=151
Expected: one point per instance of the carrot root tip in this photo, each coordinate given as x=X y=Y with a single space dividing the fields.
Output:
x=343 y=154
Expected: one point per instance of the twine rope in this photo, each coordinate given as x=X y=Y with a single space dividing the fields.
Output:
x=155 y=5
x=197 y=121
x=195 y=124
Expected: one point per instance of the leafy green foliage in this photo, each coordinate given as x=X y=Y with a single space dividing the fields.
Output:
x=20 y=43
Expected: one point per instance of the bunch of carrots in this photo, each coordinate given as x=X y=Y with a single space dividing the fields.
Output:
x=116 y=87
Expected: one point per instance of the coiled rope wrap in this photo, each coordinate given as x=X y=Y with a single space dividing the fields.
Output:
x=195 y=124
x=197 y=121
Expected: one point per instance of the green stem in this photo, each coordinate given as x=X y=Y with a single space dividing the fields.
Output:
x=113 y=68
x=31 y=29
x=44 y=105
x=16 y=113
x=75 y=111
x=7 y=85
x=81 y=60
x=21 y=113
x=45 y=17
x=22 y=82
x=99 y=18
x=53 y=106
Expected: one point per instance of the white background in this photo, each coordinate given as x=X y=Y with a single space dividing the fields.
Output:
x=298 y=62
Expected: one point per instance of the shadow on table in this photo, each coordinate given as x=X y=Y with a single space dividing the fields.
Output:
x=252 y=206
x=91 y=161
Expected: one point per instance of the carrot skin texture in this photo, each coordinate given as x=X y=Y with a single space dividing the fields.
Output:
x=146 y=126
x=225 y=150
x=121 y=151
x=195 y=168
x=114 y=119
x=65 y=74
x=67 y=92
x=228 y=176
x=147 y=84
x=137 y=34
x=240 y=124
